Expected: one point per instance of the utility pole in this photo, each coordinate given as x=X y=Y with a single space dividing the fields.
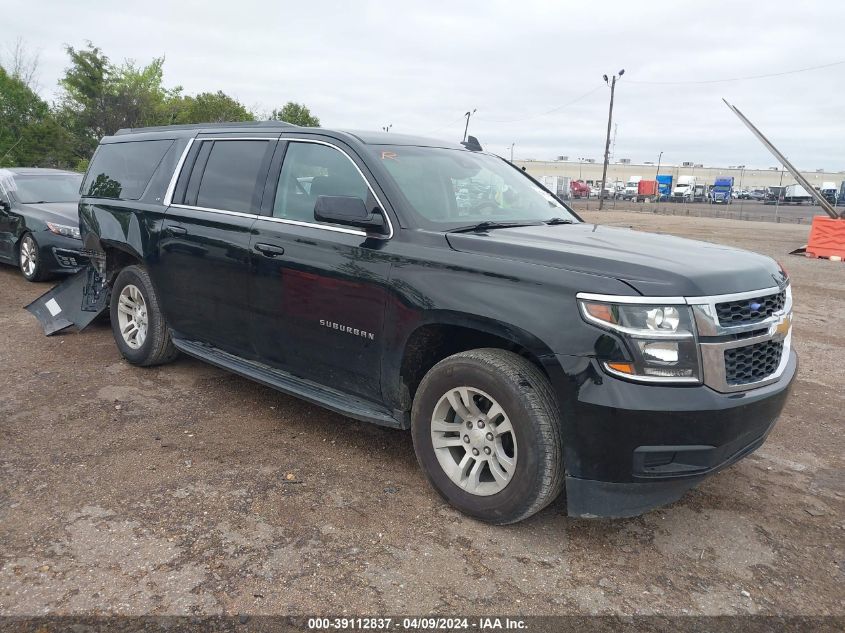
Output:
x=468 y=115
x=612 y=84
x=512 y=144
x=659 y=158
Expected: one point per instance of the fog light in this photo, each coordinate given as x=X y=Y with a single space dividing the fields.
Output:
x=664 y=352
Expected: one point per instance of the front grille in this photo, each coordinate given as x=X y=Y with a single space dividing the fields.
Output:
x=746 y=365
x=750 y=310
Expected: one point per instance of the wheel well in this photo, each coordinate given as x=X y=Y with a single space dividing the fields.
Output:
x=117 y=260
x=430 y=344
x=19 y=240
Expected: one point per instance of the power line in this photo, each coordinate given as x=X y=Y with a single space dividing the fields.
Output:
x=445 y=126
x=547 y=112
x=746 y=78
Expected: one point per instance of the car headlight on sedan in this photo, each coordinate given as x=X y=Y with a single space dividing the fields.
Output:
x=64 y=229
x=661 y=339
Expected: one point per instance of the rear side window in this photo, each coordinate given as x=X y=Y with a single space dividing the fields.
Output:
x=234 y=175
x=123 y=170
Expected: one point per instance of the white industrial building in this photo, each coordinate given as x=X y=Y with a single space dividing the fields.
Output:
x=744 y=177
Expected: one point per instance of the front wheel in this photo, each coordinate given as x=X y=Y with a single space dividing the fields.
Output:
x=29 y=259
x=138 y=324
x=487 y=433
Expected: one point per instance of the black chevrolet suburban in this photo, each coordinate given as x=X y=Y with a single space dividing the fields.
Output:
x=424 y=285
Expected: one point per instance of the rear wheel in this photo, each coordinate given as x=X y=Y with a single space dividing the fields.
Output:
x=138 y=324
x=29 y=259
x=486 y=430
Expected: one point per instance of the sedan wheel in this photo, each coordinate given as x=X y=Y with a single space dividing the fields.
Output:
x=132 y=316
x=29 y=260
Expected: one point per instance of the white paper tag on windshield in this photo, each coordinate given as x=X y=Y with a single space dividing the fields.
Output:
x=53 y=306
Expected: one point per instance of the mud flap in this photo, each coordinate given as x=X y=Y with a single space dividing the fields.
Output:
x=76 y=301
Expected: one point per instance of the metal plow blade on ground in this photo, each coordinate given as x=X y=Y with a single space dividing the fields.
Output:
x=827 y=236
x=77 y=301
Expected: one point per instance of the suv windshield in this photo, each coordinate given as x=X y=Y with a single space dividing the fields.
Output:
x=450 y=188
x=53 y=188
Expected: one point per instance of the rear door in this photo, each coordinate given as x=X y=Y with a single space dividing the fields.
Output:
x=319 y=290
x=204 y=267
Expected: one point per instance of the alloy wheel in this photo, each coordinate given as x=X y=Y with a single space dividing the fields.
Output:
x=132 y=316
x=29 y=256
x=474 y=441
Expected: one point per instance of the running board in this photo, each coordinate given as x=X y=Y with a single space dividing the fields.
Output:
x=326 y=397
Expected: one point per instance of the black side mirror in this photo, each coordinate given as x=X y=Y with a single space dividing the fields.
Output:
x=5 y=206
x=349 y=211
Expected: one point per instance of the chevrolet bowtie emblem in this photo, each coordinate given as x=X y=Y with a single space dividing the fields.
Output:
x=782 y=329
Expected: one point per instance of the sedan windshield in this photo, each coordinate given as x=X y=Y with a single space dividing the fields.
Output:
x=449 y=188
x=53 y=188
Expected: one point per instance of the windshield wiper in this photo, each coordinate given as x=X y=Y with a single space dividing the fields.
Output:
x=553 y=221
x=489 y=224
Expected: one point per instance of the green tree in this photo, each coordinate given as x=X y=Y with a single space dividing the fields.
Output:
x=209 y=107
x=29 y=134
x=100 y=97
x=296 y=113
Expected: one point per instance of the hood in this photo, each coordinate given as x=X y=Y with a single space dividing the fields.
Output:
x=58 y=212
x=658 y=265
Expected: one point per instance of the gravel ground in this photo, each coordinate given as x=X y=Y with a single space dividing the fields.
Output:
x=183 y=489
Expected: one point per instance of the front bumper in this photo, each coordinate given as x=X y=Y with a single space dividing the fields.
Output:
x=61 y=254
x=631 y=447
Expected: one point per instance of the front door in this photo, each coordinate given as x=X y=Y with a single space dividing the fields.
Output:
x=9 y=225
x=319 y=290
x=204 y=266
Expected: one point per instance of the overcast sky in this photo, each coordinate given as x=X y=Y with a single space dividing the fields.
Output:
x=420 y=65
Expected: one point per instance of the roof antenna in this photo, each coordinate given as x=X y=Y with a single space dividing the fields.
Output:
x=472 y=144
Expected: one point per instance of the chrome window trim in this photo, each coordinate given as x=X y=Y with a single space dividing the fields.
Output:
x=171 y=187
x=168 y=200
x=324 y=227
x=220 y=211
x=293 y=139
x=257 y=216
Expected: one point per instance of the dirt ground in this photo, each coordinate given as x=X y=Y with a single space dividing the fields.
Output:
x=183 y=490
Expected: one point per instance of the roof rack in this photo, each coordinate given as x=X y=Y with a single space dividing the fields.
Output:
x=202 y=126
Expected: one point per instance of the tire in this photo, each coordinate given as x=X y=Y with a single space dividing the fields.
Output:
x=534 y=445
x=29 y=259
x=134 y=301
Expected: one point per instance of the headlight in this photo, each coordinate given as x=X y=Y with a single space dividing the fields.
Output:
x=661 y=339
x=63 y=229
